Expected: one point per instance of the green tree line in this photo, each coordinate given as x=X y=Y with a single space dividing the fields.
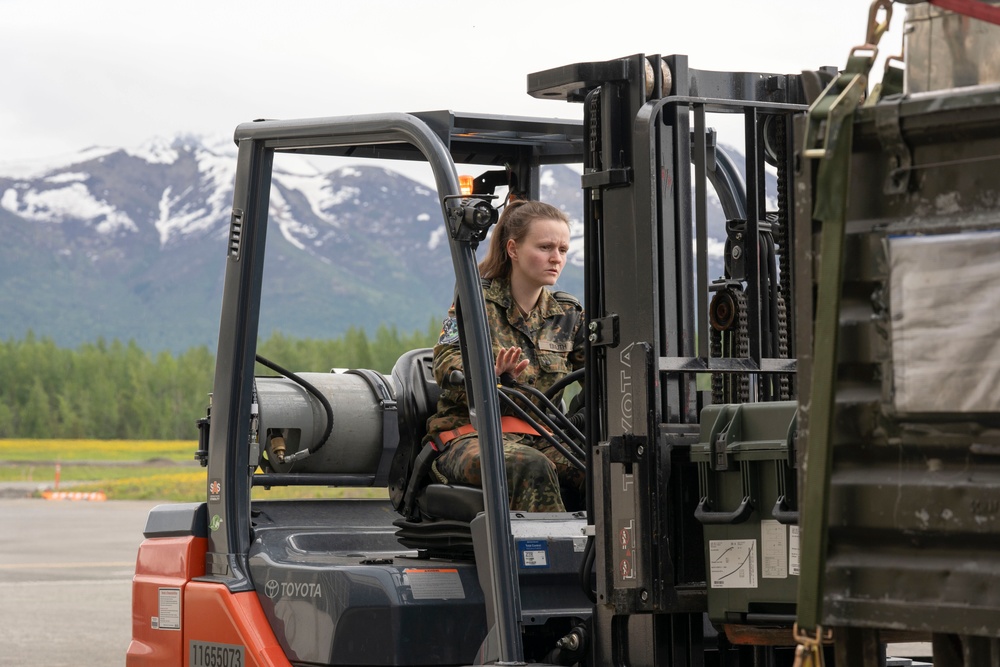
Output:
x=120 y=391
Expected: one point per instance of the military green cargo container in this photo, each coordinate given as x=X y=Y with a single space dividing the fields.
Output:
x=914 y=503
x=746 y=479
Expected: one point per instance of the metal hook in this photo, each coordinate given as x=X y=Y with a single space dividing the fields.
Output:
x=876 y=29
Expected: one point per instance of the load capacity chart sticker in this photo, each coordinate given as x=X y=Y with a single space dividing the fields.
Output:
x=733 y=563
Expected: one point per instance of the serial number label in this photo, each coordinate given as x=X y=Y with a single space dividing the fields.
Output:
x=208 y=654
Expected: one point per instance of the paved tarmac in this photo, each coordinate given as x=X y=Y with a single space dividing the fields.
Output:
x=66 y=580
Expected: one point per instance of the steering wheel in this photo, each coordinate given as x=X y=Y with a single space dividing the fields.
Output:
x=576 y=404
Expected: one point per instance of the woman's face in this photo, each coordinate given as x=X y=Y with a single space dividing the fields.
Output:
x=541 y=255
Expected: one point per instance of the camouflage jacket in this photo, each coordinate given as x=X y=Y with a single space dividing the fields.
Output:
x=551 y=338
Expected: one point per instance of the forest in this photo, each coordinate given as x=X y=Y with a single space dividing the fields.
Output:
x=116 y=390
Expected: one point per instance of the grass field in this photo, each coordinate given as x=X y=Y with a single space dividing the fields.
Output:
x=130 y=470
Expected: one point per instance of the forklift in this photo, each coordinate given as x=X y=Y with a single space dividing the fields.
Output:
x=721 y=408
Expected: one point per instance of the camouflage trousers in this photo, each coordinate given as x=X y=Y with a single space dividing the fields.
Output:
x=538 y=475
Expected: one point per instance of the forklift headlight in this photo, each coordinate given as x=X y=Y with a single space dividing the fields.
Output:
x=478 y=214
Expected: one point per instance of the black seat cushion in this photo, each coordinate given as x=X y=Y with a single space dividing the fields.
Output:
x=450 y=501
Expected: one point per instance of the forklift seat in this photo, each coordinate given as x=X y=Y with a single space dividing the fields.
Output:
x=435 y=517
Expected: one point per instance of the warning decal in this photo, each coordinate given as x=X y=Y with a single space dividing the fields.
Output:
x=435 y=584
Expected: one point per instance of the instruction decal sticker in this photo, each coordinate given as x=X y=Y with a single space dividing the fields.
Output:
x=773 y=550
x=533 y=553
x=169 y=610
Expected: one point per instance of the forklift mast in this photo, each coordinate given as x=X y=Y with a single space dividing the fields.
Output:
x=647 y=299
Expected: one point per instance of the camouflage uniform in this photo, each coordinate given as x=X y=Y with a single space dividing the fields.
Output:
x=552 y=339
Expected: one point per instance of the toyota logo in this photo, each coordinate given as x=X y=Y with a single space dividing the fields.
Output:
x=271 y=588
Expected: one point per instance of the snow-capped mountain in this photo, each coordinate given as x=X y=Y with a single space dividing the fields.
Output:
x=131 y=243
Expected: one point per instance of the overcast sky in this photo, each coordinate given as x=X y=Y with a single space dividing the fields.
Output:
x=118 y=73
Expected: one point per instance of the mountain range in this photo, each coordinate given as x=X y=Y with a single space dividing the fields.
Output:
x=131 y=244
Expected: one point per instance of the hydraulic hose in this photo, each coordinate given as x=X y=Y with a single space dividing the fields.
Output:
x=308 y=386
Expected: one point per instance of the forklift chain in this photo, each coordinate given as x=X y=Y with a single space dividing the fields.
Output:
x=595 y=128
x=729 y=337
x=722 y=317
x=782 y=240
x=784 y=380
x=742 y=334
x=780 y=228
x=718 y=379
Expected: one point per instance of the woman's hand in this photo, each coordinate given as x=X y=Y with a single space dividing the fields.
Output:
x=509 y=361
